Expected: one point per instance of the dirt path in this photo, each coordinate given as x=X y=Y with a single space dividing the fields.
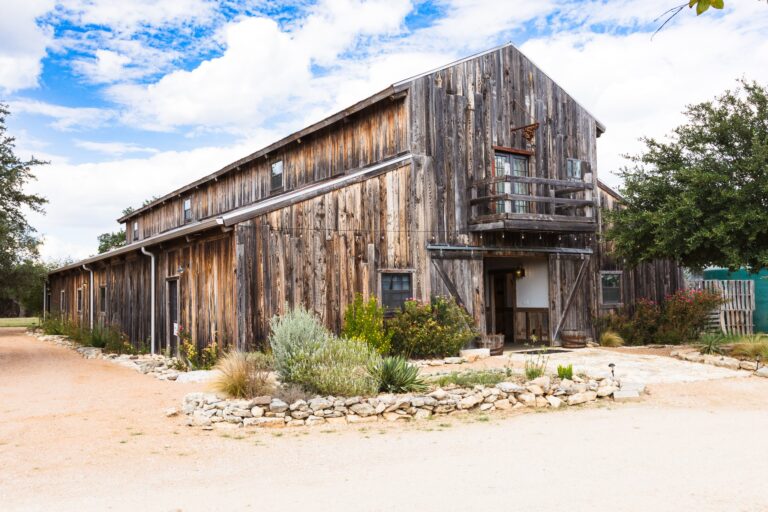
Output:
x=86 y=435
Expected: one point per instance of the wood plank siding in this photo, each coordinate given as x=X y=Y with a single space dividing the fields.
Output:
x=406 y=181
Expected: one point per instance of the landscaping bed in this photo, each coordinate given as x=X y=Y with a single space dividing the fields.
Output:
x=209 y=410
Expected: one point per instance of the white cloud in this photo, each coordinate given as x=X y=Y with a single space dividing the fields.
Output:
x=65 y=118
x=23 y=44
x=265 y=74
x=113 y=148
x=639 y=87
x=129 y=15
x=86 y=199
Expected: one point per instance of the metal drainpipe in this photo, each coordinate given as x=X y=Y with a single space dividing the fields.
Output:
x=145 y=252
x=90 y=298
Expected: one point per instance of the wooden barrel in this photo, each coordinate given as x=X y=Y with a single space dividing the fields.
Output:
x=494 y=342
x=573 y=338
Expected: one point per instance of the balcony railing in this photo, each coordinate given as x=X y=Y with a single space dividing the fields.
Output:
x=522 y=202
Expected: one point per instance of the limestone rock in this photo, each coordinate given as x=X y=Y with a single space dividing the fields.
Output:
x=277 y=405
x=606 y=391
x=528 y=399
x=473 y=354
x=536 y=390
x=762 y=372
x=626 y=396
x=363 y=409
x=554 y=402
x=509 y=387
x=502 y=404
x=469 y=401
x=257 y=412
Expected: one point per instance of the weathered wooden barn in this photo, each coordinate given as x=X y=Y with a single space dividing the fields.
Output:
x=476 y=180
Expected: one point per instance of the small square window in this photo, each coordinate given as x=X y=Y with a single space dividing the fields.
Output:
x=135 y=230
x=188 y=209
x=79 y=300
x=610 y=287
x=395 y=290
x=103 y=299
x=276 y=175
x=573 y=169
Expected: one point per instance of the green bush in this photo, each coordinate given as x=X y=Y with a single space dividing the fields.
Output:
x=294 y=338
x=396 y=375
x=679 y=319
x=308 y=355
x=685 y=315
x=565 y=372
x=364 y=320
x=536 y=365
x=436 y=329
x=107 y=336
x=53 y=325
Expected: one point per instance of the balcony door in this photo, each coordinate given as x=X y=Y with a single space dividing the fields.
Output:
x=510 y=164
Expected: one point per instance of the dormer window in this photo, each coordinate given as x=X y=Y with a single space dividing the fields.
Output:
x=276 y=176
x=135 y=230
x=188 y=210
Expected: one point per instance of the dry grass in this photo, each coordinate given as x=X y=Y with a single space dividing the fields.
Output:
x=749 y=347
x=19 y=322
x=611 y=339
x=243 y=375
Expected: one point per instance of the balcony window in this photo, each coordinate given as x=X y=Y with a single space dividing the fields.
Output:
x=573 y=169
x=509 y=164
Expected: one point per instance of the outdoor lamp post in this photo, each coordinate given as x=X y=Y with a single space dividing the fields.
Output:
x=757 y=362
x=612 y=367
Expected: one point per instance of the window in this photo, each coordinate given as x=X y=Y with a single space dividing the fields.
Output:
x=79 y=300
x=276 y=176
x=573 y=169
x=188 y=210
x=395 y=290
x=510 y=164
x=610 y=288
x=62 y=301
x=135 y=230
x=103 y=299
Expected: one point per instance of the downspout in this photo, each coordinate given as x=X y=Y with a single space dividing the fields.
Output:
x=145 y=252
x=90 y=298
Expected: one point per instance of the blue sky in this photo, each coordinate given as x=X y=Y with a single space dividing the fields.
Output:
x=129 y=99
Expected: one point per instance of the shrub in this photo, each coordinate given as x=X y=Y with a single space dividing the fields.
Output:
x=243 y=375
x=436 y=329
x=193 y=358
x=396 y=375
x=308 y=355
x=685 y=315
x=294 y=338
x=290 y=393
x=565 y=372
x=364 y=320
x=470 y=378
x=611 y=339
x=103 y=336
x=712 y=343
x=536 y=367
x=53 y=325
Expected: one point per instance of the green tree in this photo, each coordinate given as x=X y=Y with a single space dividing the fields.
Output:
x=109 y=241
x=18 y=242
x=701 y=198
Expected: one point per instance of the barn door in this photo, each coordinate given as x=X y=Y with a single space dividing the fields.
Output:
x=173 y=316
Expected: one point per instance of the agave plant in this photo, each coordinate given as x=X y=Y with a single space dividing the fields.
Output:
x=711 y=343
x=397 y=375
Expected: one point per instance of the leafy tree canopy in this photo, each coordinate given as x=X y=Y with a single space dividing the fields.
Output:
x=17 y=238
x=109 y=241
x=701 y=198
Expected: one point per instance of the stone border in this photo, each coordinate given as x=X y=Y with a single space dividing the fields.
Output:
x=210 y=411
x=693 y=355
x=157 y=365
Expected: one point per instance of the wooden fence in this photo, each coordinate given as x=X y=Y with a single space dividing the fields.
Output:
x=735 y=316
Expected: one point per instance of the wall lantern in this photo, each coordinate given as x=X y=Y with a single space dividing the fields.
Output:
x=519 y=272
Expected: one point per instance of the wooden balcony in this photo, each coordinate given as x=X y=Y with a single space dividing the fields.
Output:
x=522 y=203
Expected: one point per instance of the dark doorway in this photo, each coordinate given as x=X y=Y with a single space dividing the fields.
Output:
x=502 y=317
x=173 y=316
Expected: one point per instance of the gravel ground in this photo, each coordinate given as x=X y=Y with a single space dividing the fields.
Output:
x=87 y=435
